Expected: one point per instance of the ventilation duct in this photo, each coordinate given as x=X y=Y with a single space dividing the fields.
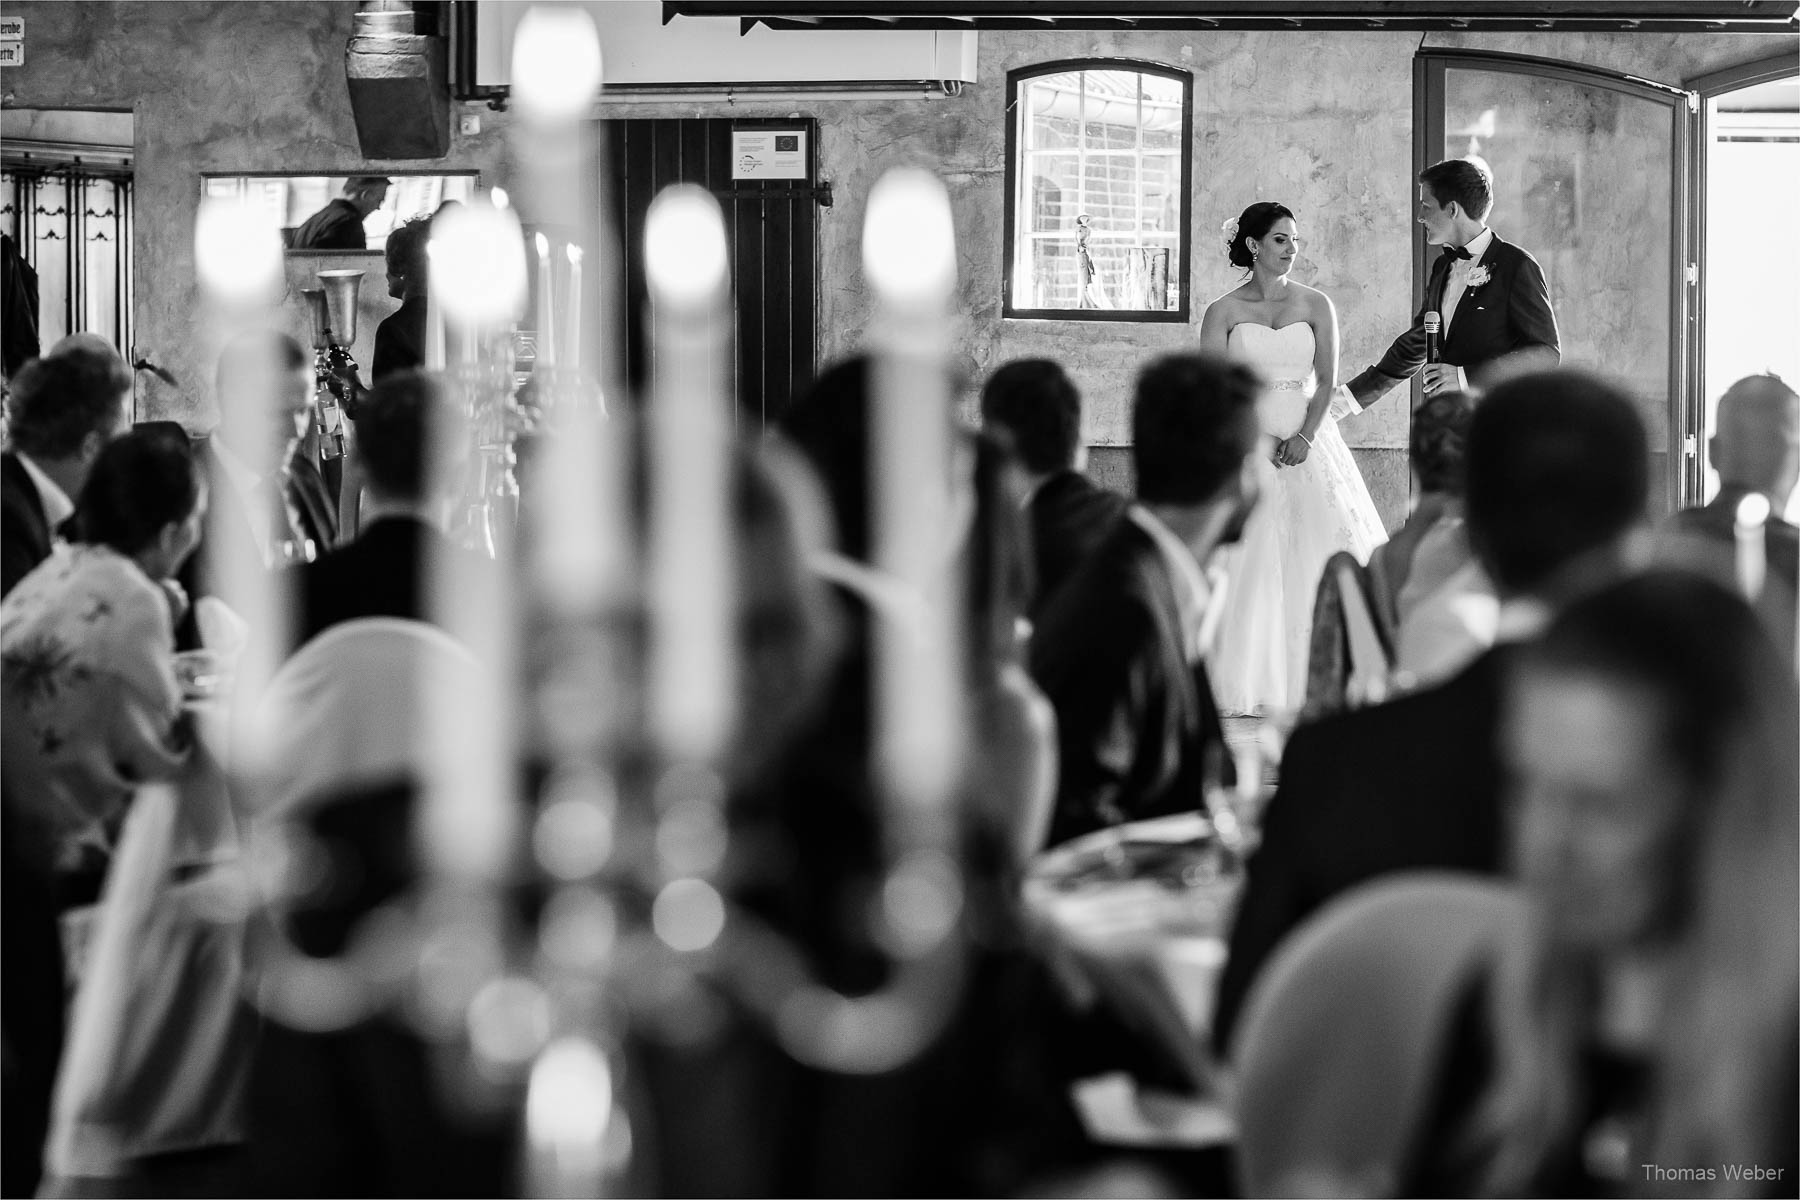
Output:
x=398 y=72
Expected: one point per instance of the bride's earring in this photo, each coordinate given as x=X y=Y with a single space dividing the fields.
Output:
x=1255 y=252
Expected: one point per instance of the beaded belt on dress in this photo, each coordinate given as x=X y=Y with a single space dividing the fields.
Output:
x=1289 y=385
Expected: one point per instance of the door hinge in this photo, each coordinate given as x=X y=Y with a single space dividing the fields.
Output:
x=1690 y=445
x=1693 y=272
x=1693 y=102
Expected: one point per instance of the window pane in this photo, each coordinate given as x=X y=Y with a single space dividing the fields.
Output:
x=1581 y=180
x=1100 y=173
x=1050 y=190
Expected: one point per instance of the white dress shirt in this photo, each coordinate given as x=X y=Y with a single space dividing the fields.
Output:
x=1458 y=285
x=1194 y=588
x=57 y=505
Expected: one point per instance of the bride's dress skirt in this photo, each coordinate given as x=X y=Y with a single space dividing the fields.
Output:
x=1305 y=515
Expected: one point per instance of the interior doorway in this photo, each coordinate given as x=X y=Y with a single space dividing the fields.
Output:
x=1750 y=236
x=66 y=216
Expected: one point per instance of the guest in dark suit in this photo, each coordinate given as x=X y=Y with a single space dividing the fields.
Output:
x=1033 y=402
x=408 y=482
x=339 y=225
x=254 y=515
x=63 y=409
x=1756 y=451
x=1119 y=650
x=1490 y=293
x=400 y=338
x=1556 y=477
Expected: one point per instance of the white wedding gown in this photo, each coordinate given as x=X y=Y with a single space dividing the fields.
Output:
x=1309 y=513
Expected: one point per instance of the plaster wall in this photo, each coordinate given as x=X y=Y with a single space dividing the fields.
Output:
x=1322 y=121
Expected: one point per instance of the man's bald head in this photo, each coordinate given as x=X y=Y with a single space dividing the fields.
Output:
x=1756 y=443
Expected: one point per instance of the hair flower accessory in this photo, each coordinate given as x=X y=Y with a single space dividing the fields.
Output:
x=1230 y=230
x=1477 y=277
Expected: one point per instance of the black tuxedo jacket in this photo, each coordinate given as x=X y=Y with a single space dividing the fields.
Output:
x=25 y=532
x=377 y=575
x=1069 y=515
x=1135 y=723
x=1409 y=785
x=1506 y=322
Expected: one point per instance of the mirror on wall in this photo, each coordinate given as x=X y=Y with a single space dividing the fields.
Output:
x=339 y=214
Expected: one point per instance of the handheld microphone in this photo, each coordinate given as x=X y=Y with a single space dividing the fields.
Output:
x=1434 y=337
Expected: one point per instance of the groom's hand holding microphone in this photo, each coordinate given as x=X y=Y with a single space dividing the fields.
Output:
x=1437 y=374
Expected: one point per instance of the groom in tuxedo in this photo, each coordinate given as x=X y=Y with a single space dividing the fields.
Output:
x=1119 y=652
x=1490 y=294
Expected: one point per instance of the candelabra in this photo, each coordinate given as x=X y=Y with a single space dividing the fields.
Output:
x=332 y=309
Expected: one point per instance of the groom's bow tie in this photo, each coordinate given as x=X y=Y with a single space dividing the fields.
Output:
x=1455 y=252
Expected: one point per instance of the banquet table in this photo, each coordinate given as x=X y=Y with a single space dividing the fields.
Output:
x=1136 y=918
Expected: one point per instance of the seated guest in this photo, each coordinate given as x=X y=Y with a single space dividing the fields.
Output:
x=1756 y=451
x=1644 y=1025
x=1119 y=651
x=1433 y=536
x=409 y=457
x=1013 y=781
x=1032 y=402
x=91 y=699
x=339 y=225
x=264 y=404
x=62 y=410
x=1556 y=478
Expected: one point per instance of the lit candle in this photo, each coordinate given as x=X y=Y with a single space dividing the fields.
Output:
x=1752 y=560
x=692 y=588
x=546 y=303
x=909 y=257
x=436 y=356
x=574 y=307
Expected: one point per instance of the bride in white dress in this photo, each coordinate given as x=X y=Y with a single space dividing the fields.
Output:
x=1318 y=503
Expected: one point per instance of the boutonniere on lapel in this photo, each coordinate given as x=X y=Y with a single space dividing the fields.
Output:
x=1476 y=278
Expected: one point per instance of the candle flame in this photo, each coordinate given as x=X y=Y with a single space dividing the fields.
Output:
x=556 y=62
x=478 y=264
x=1753 y=511
x=236 y=255
x=500 y=198
x=569 y=1103
x=542 y=242
x=684 y=245
x=909 y=238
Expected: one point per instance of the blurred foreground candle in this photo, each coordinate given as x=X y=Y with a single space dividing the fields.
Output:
x=468 y=822
x=239 y=264
x=437 y=356
x=1752 y=552
x=573 y=1129
x=909 y=257
x=693 y=589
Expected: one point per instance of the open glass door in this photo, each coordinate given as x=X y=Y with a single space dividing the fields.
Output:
x=1590 y=172
x=1747 y=295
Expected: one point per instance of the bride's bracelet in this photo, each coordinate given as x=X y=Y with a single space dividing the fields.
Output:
x=1304 y=438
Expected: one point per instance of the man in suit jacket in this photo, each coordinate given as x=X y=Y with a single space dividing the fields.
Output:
x=409 y=480
x=1756 y=451
x=1036 y=405
x=254 y=518
x=1119 y=652
x=1557 y=475
x=339 y=225
x=64 y=407
x=1491 y=295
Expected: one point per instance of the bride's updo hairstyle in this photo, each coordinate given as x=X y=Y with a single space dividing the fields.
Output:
x=1254 y=222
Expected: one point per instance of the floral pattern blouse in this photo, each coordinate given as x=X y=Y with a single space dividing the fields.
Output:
x=89 y=701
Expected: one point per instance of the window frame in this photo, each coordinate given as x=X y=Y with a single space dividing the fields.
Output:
x=1181 y=270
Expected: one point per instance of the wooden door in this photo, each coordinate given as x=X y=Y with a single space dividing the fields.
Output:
x=771 y=231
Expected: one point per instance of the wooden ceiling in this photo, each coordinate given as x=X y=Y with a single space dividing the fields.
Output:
x=1697 y=16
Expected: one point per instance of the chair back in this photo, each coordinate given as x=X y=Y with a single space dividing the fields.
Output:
x=357 y=707
x=1341 y=1034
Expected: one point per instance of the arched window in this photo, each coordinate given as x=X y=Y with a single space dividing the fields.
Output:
x=1099 y=168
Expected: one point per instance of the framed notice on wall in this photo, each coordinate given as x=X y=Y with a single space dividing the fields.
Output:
x=768 y=154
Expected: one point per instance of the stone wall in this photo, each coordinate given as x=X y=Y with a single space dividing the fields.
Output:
x=1321 y=120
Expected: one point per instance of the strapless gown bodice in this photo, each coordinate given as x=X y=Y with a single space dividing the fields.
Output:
x=1284 y=357
x=1306 y=514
